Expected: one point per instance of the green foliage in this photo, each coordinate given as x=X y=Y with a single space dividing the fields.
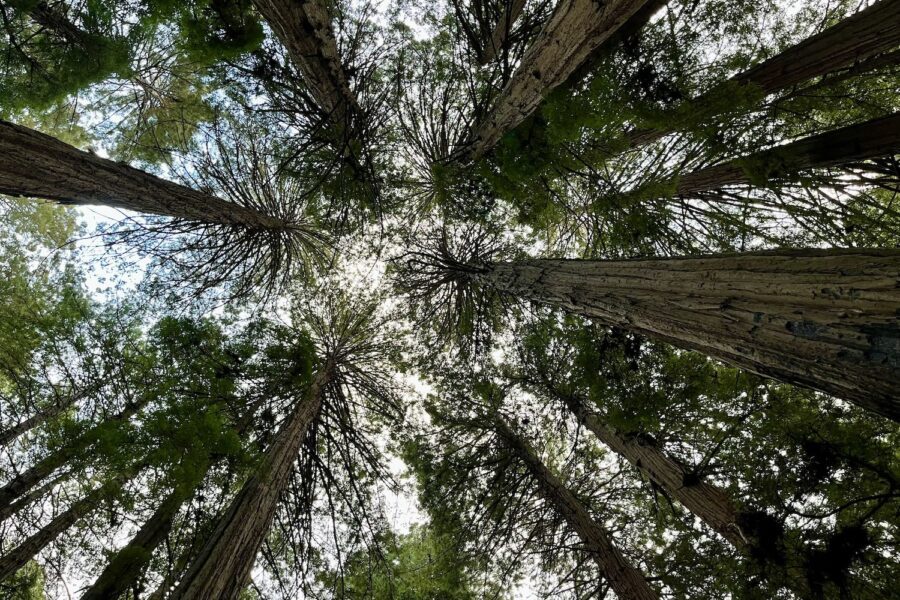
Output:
x=26 y=584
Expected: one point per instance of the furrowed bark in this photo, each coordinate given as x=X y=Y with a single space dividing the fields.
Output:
x=866 y=34
x=707 y=502
x=491 y=47
x=576 y=29
x=304 y=28
x=24 y=552
x=11 y=433
x=36 y=165
x=222 y=568
x=26 y=480
x=824 y=319
x=878 y=137
x=127 y=565
x=626 y=581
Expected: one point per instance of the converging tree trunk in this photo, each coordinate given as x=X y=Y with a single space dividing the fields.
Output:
x=626 y=581
x=27 y=550
x=29 y=478
x=825 y=319
x=710 y=504
x=872 y=139
x=36 y=165
x=304 y=28
x=491 y=47
x=864 y=35
x=222 y=568
x=11 y=433
x=125 y=568
x=576 y=29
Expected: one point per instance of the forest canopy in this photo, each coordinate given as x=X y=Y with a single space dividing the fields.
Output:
x=449 y=299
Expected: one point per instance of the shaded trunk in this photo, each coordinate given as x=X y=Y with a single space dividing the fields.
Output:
x=864 y=35
x=878 y=137
x=26 y=480
x=491 y=48
x=124 y=569
x=626 y=581
x=38 y=492
x=11 y=433
x=58 y=22
x=27 y=550
x=36 y=165
x=707 y=502
x=825 y=319
x=576 y=29
x=222 y=568
x=304 y=29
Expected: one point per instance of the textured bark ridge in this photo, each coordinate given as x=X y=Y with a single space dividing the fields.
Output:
x=222 y=568
x=626 y=581
x=707 y=502
x=862 y=36
x=19 y=556
x=36 y=165
x=492 y=47
x=576 y=29
x=124 y=569
x=825 y=319
x=878 y=137
x=304 y=28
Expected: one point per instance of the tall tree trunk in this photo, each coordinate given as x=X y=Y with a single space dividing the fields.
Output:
x=222 y=568
x=878 y=137
x=576 y=29
x=27 y=550
x=58 y=22
x=304 y=28
x=29 y=478
x=41 y=417
x=825 y=319
x=707 y=502
x=36 y=165
x=626 y=581
x=491 y=48
x=869 y=32
x=124 y=569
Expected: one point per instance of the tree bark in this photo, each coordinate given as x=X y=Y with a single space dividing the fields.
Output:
x=626 y=581
x=707 y=502
x=26 y=480
x=222 y=568
x=869 y=32
x=58 y=22
x=878 y=137
x=304 y=28
x=11 y=433
x=36 y=165
x=824 y=319
x=576 y=29
x=127 y=565
x=491 y=47
x=27 y=550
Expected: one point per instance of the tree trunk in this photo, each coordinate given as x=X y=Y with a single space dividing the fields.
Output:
x=491 y=48
x=39 y=166
x=58 y=22
x=127 y=565
x=26 y=480
x=11 y=433
x=825 y=319
x=222 y=568
x=626 y=581
x=878 y=137
x=707 y=502
x=576 y=29
x=27 y=550
x=304 y=28
x=869 y=32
